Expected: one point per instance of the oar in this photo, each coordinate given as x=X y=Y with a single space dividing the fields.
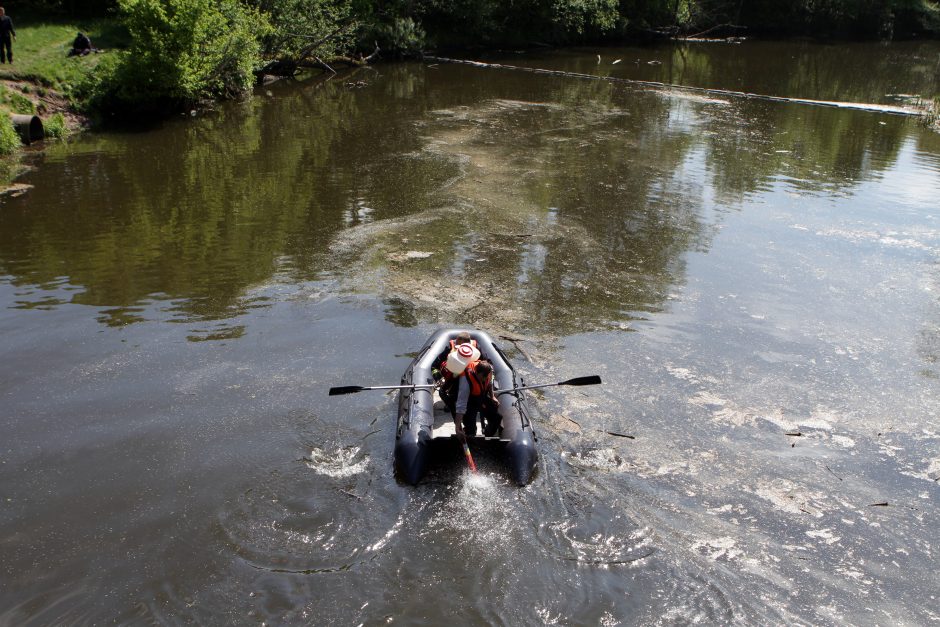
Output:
x=589 y=380
x=466 y=452
x=352 y=389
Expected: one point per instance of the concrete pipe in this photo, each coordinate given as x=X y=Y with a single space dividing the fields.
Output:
x=29 y=128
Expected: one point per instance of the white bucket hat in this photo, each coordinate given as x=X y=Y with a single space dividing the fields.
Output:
x=461 y=356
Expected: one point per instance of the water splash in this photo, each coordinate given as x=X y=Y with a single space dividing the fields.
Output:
x=339 y=463
x=478 y=510
x=605 y=459
x=479 y=482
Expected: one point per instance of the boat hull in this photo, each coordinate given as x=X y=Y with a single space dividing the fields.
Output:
x=415 y=430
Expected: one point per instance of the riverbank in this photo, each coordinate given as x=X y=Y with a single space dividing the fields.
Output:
x=165 y=67
x=43 y=80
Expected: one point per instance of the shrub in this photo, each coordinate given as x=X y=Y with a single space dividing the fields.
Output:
x=401 y=34
x=185 y=50
x=54 y=126
x=9 y=139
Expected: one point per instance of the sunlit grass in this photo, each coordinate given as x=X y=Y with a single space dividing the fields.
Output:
x=40 y=54
x=42 y=69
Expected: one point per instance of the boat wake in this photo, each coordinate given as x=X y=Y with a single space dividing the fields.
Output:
x=477 y=511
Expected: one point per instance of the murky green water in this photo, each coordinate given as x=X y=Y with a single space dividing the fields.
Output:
x=174 y=305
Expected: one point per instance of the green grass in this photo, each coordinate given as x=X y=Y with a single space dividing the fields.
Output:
x=41 y=53
x=15 y=102
x=42 y=66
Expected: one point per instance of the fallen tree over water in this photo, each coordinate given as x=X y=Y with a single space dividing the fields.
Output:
x=861 y=106
x=308 y=57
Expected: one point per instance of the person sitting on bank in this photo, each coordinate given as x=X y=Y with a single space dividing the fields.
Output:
x=475 y=395
x=81 y=46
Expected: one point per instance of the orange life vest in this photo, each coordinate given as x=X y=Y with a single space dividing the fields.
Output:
x=478 y=387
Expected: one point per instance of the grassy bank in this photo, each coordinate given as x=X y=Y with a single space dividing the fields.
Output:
x=43 y=80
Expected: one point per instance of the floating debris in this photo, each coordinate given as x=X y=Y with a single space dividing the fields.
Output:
x=619 y=435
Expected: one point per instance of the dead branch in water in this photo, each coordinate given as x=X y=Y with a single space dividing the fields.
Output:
x=307 y=56
x=834 y=474
x=619 y=435
x=733 y=27
x=729 y=93
x=515 y=341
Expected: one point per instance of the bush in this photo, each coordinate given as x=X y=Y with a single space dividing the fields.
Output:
x=183 y=51
x=54 y=126
x=9 y=139
x=401 y=34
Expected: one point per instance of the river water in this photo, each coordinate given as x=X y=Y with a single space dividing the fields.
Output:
x=176 y=302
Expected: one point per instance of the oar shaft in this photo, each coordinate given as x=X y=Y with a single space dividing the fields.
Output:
x=353 y=389
x=530 y=387
x=466 y=452
x=399 y=387
x=590 y=380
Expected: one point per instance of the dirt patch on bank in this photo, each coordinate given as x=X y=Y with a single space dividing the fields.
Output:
x=46 y=102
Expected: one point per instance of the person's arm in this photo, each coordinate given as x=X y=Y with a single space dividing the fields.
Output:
x=463 y=396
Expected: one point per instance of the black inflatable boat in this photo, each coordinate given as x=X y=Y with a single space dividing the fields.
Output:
x=422 y=417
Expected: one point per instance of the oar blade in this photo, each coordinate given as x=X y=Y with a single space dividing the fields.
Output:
x=346 y=389
x=589 y=380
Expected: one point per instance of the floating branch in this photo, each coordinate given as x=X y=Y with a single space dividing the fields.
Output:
x=730 y=93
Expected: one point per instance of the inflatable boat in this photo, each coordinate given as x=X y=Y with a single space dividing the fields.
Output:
x=423 y=418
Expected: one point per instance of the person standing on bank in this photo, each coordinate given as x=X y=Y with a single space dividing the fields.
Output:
x=7 y=35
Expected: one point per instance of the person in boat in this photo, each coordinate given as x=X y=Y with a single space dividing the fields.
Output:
x=475 y=396
x=440 y=370
x=450 y=364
